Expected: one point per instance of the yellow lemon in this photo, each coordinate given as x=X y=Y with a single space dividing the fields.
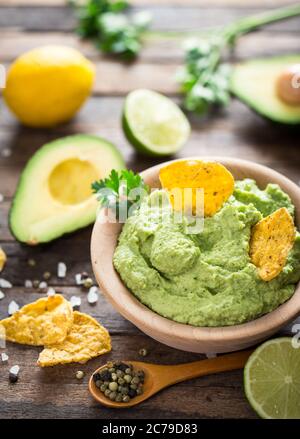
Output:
x=47 y=85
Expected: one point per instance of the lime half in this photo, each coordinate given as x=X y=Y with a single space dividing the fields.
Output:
x=154 y=124
x=272 y=379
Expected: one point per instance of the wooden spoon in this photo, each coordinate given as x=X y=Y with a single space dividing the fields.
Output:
x=157 y=377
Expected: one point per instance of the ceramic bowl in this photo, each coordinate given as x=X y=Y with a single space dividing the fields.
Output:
x=182 y=336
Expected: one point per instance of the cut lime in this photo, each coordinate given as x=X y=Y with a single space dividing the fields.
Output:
x=272 y=379
x=154 y=124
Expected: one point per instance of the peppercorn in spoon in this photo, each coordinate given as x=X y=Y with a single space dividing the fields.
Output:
x=125 y=384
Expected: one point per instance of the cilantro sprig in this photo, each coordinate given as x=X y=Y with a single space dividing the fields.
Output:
x=113 y=31
x=204 y=78
x=121 y=192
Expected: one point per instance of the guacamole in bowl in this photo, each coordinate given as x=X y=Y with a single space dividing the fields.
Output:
x=205 y=278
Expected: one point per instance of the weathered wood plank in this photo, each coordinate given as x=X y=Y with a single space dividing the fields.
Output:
x=115 y=78
x=234 y=132
x=42 y=393
x=202 y=3
x=160 y=49
x=164 y=18
x=72 y=249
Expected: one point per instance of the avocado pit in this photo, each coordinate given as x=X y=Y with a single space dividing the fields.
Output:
x=288 y=85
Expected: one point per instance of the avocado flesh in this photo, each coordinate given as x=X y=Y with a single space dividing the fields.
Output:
x=254 y=82
x=54 y=193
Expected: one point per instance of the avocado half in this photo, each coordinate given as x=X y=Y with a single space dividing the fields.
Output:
x=254 y=83
x=54 y=193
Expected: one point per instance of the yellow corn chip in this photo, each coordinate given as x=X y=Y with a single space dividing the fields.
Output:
x=87 y=339
x=46 y=321
x=215 y=180
x=271 y=240
x=2 y=259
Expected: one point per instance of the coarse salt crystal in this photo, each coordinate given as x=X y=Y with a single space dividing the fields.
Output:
x=4 y=357
x=13 y=307
x=5 y=283
x=92 y=296
x=2 y=295
x=78 y=279
x=28 y=283
x=43 y=285
x=6 y=152
x=75 y=302
x=61 y=270
x=14 y=370
x=51 y=292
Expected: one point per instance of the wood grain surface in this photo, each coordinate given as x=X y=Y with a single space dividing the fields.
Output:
x=234 y=132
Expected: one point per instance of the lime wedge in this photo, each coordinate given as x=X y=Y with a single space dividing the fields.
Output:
x=154 y=124
x=272 y=380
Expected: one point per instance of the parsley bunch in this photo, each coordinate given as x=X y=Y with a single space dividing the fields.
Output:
x=113 y=31
x=122 y=192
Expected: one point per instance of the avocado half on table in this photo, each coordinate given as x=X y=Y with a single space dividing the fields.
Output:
x=54 y=194
x=270 y=86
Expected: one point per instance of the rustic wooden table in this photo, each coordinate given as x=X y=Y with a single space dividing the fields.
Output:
x=24 y=24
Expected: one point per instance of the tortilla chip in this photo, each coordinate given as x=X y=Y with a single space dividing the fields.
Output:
x=87 y=339
x=46 y=321
x=271 y=240
x=213 y=178
x=2 y=259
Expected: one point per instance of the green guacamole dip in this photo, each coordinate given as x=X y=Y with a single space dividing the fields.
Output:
x=205 y=279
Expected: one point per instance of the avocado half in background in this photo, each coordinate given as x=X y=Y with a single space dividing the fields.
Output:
x=54 y=193
x=258 y=83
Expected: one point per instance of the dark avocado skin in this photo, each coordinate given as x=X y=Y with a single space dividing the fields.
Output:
x=268 y=119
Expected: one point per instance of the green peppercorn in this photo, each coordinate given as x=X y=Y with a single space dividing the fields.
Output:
x=31 y=262
x=113 y=386
x=47 y=275
x=143 y=352
x=112 y=396
x=119 y=397
x=119 y=381
x=124 y=390
x=135 y=380
x=35 y=283
x=88 y=283
x=103 y=387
